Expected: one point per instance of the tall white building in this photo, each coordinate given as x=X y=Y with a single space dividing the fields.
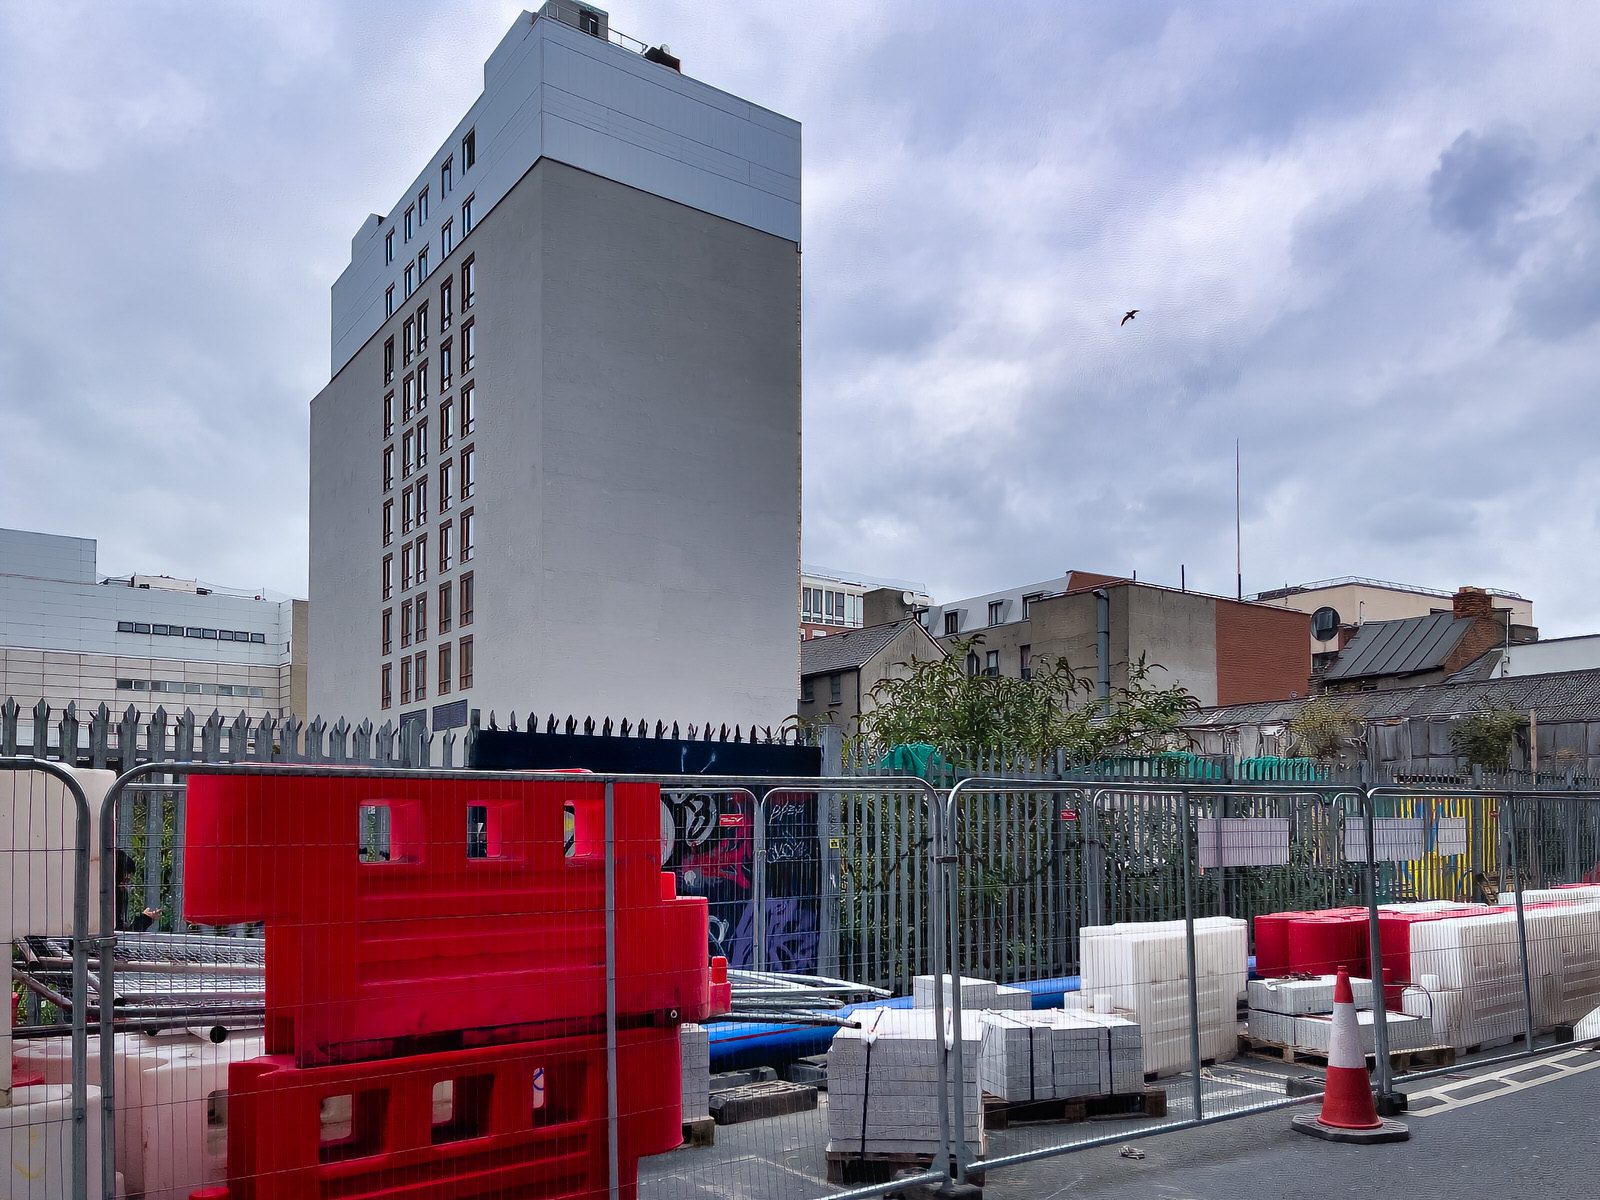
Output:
x=71 y=635
x=558 y=464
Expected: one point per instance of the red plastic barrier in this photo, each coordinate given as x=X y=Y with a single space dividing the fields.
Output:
x=1321 y=943
x=465 y=915
x=525 y=1121
x=1272 y=943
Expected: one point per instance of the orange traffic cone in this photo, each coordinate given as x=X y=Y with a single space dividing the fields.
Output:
x=1348 y=1112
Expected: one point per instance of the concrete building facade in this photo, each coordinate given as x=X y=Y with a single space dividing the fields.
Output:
x=558 y=465
x=1224 y=651
x=71 y=635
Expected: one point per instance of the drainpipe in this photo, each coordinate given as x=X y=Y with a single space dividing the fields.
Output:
x=1102 y=636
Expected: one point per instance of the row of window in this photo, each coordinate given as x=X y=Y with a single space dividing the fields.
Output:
x=454 y=663
x=997 y=614
x=453 y=598
x=808 y=692
x=414 y=557
x=414 y=499
x=826 y=607
x=414 y=333
x=990 y=663
x=417 y=212
x=416 y=271
x=190 y=689
x=215 y=635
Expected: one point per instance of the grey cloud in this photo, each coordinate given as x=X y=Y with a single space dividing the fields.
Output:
x=1479 y=189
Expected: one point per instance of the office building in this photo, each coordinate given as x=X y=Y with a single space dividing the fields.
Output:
x=558 y=464
x=71 y=635
x=831 y=601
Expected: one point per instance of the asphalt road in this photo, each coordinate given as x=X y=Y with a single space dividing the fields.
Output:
x=1528 y=1138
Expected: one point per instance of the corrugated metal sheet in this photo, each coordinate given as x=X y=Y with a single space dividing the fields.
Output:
x=1400 y=647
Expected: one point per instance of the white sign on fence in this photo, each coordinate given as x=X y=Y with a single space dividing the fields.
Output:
x=1451 y=836
x=1243 y=841
x=1394 y=839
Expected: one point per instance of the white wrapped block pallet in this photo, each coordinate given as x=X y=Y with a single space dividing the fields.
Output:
x=183 y=1134
x=36 y=1139
x=883 y=1083
x=1314 y=1034
x=694 y=1048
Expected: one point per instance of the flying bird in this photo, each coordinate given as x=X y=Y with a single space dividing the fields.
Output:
x=1128 y=316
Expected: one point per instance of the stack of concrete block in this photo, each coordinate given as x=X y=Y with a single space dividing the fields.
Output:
x=883 y=1083
x=1051 y=1054
x=1143 y=968
x=1275 y=1005
x=694 y=1045
x=976 y=994
x=1124 y=1049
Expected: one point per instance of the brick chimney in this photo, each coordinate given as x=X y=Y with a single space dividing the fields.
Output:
x=1472 y=602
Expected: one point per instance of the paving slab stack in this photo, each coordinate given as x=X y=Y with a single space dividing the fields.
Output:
x=1276 y=1005
x=694 y=1049
x=883 y=1096
x=1051 y=1054
x=1142 y=967
x=976 y=994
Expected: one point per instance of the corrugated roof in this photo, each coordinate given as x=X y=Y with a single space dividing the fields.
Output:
x=847 y=651
x=1560 y=696
x=1400 y=647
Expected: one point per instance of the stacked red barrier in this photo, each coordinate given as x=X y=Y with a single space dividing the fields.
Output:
x=421 y=932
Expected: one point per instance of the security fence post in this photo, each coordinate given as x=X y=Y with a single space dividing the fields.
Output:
x=1510 y=807
x=1196 y=1063
x=1389 y=1101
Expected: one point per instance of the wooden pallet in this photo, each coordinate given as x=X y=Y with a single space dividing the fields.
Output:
x=1000 y=1114
x=849 y=1168
x=700 y=1131
x=1423 y=1057
x=1152 y=1076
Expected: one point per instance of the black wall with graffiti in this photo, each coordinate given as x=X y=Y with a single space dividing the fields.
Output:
x=708 y=842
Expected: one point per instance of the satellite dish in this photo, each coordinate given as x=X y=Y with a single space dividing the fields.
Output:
x=909 y=599
x=1325 y=624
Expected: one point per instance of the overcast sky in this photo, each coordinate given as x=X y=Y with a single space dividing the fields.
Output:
x=1363 y=239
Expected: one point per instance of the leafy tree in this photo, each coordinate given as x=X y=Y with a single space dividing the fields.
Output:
x=1322 y=730
x=1485 y=739
x=940 y=702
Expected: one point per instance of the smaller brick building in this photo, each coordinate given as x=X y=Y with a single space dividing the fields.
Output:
x=1420 y=650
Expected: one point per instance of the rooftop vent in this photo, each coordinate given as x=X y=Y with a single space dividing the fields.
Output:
x=660 y=54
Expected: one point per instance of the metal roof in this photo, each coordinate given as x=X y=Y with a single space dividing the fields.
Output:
x=1401 y=647
x=848 y=651
x=1562 y=696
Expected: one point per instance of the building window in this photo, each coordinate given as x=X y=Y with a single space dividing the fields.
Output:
x=422 y=207
x=466 y=662
x=446 y=492
x=408 y=511
x=422 y=676
x=465 y=591
x=469 y=472
x=807 y=692
x=422 y=264
x=388 y=301
x=422 y=327
x=1027 y=605
x=446 y=293
x=388 y=630
x=405 y=681
x=411 y=223
x=1026 y=658
x=835 y=689
x=422 y=501
x=469 y=346
x=388 y=248
x=388 y=576
x=444 y=668
x=469 y=283
x=991 y=663
x=407 y=572
x=952 y=623
x=447 y=547
x=388 y=521
x=469 y=409
x=446 y=434
x=408 y=455
x=408 y=389
x=422 y=385
x=411 y=277
x=997 y=609
x=444 y=367
x=388 y=361
x=422 y=617
x=445 y=613
x=422 y=443
x=469 y=150
x=972 y=662
x=388 y=414
x=410 y=339
x=405 y=624
x=468 y=214
x=422 y=558
x=469 y=527
x=386 y=680
x=388 y=467
x=446 y=169
x=447 y=239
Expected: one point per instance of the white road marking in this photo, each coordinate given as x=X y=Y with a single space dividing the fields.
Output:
x=1511 y=1086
